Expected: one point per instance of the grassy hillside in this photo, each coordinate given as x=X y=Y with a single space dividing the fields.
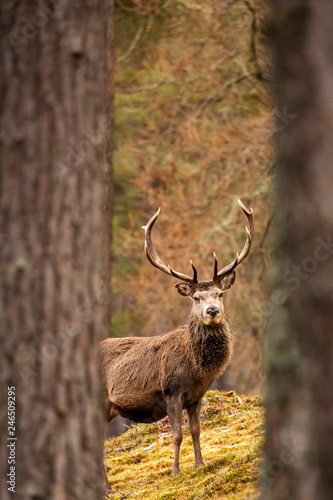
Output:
x=194 y=121
x=140 y=460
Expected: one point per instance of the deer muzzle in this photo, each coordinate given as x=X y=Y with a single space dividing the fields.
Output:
x=212 y=314
x=212 y=311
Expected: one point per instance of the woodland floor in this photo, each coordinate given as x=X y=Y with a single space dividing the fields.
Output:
x=139 y=461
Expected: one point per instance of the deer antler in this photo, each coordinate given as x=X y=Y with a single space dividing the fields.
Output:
x=218 y=275
x=155 y=260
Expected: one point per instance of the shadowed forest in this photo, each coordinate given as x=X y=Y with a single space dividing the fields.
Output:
x=194 y=126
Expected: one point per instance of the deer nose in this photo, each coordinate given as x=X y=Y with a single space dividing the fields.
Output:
x=213 y=311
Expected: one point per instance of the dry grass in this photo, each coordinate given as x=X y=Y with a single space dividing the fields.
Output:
x=140 y=461
x=193 y=134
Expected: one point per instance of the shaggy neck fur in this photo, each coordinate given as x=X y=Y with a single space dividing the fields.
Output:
x=212 y=345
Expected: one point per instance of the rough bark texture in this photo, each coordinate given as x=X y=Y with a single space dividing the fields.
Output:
x=55 y=205
x=299 y=450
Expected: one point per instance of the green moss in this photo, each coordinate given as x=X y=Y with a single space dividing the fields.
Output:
x=140 y=460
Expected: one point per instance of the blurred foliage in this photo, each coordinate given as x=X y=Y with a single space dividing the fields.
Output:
x=194 y=122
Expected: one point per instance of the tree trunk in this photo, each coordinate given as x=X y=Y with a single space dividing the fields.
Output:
x=299 y=399
x=55 y=195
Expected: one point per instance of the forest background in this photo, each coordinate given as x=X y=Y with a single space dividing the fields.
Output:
x=194 y=130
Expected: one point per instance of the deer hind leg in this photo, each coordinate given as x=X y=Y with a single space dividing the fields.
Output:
x=111 y=414
x=174 y=409
x=193 y=413
x=106 y=485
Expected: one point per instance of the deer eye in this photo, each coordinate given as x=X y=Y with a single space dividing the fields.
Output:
x=221 y=294
x=196 y=299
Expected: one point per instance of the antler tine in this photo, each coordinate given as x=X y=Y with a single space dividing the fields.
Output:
x=225 y=270
x=156 y=261
x=250 y=232
x=215 y=267
x=245 y=251
x=195 y=274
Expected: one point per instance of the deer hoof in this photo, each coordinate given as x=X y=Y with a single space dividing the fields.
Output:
x=199 y=464
x=107 y=491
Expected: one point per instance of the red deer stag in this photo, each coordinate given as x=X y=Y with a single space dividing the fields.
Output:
x=147 y=378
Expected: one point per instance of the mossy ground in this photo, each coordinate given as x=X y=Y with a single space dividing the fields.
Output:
x=139 y=462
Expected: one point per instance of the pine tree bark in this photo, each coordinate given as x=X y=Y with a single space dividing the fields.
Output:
x=299 y=396
x=55 y=195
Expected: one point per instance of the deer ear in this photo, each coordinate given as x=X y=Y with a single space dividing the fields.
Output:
x=184 y=289
x=228 y=281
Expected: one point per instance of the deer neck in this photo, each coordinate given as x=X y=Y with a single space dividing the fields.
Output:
x=211 y=345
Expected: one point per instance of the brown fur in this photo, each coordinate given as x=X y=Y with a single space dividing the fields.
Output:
x=147 y=378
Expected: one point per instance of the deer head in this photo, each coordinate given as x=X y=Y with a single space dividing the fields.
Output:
x=207 y=296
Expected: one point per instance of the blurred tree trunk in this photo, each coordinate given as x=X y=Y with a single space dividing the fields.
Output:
x=299 y=442
x=55 y=192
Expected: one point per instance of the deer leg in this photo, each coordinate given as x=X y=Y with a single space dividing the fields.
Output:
x=111 y=413
x=106 y=486
x=193 y=413
x=174 y=409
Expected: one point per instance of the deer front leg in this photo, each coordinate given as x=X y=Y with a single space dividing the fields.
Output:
x=193 y=413
x=174 y=409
